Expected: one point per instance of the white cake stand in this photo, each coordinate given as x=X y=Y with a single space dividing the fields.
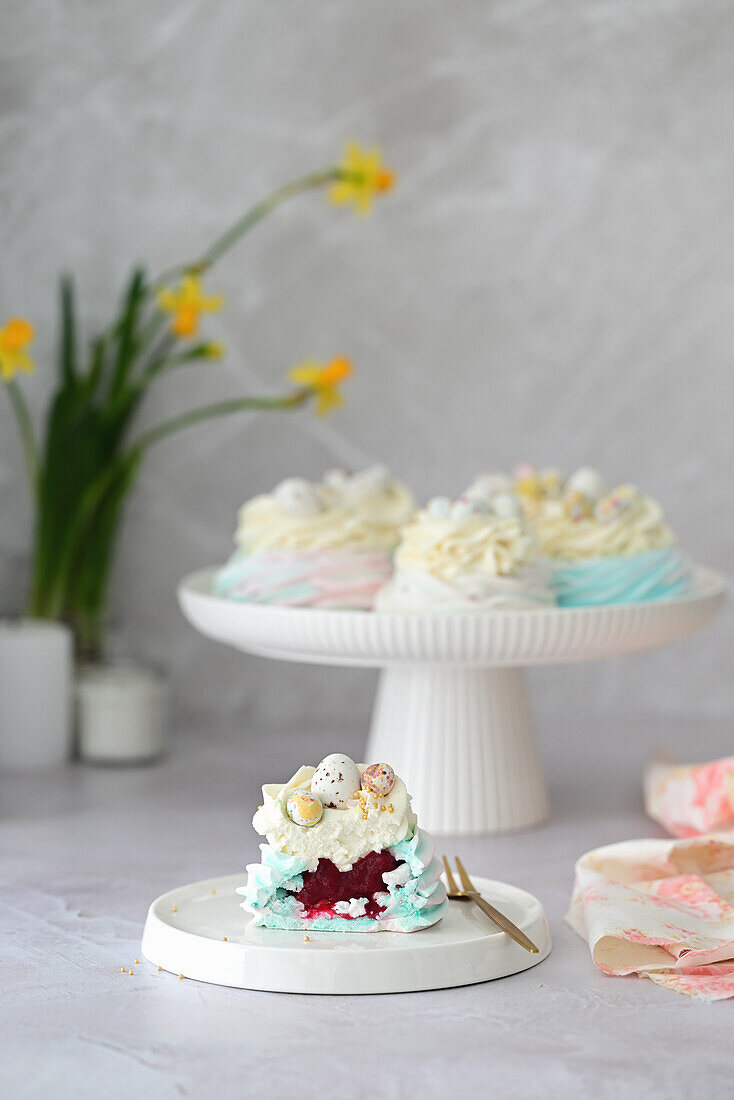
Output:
x=199 y=931
x=452 y=713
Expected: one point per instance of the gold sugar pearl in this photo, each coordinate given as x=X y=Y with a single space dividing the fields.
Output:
x=224 y=939
x=306 y=939
x=129 y=971
x=180 y=975
x=174 y=909
x=160 y=967
x=137 y=960
x=214 y=891
x=383 y=807
x=122 y=969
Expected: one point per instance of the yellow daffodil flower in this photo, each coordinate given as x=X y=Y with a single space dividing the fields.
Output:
x=186 y=304
x=364 y=177
x=324 y=379
x=14 y=339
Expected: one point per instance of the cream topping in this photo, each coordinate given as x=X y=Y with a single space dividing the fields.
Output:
x=268 y=523
x=452 y=541
x=375 y=495
x=635 y=527
x=343 y=836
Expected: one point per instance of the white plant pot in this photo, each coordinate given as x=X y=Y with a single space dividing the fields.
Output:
x=36 y=662
x=122 y=713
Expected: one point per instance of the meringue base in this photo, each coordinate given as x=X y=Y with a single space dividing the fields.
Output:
x=411 y=591
x=654 y=575
x=412 y=896
x=329 y=579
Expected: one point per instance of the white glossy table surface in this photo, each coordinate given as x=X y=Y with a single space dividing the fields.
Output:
x=83 y=852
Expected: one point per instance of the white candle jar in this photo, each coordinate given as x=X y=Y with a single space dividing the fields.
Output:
x=36 y=671
x=122 y=713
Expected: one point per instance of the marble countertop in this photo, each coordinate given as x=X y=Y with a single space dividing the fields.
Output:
x=84 y=851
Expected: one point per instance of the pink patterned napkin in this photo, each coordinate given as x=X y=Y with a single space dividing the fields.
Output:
x=661 y=909
x=691 y=799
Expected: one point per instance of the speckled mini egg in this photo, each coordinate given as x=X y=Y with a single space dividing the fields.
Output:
x=335 y=780
x=506 y=506
x=465 y=507
x=487 y=486
x=297 y=497
x=378 y=778
x=439 y=508
x=588 y=481
x=578 y=506
x=304 y=808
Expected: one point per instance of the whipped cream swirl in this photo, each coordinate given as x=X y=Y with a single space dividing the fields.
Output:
x=452 y=542
x=343 y=836
x=375 y=495
x=358 y=513
x=636 y=527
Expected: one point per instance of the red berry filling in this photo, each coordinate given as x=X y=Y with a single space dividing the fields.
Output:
x=326 y=885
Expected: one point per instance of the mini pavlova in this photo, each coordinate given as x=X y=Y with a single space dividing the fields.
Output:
x=344 y=854
x=473 y=554
x=605 y=546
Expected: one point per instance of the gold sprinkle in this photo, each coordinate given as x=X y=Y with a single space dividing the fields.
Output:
x=383 y=807
x=160 y=967
x=129 y=971
x=137 y=960
x=122 y=969
x=306 y=939
x=180 y=975
x=224 y=939
x=389 y=807
x=214 y=891
x=174 y=909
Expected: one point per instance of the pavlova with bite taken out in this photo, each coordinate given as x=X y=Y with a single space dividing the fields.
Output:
x=344 y=853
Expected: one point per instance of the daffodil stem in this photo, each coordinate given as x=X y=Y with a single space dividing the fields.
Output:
x=25 y=427
x=178 y=359
x=221 y=408
x=249 y=219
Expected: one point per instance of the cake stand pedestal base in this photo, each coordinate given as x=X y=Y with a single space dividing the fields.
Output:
x=452 y=713
x=465 y=737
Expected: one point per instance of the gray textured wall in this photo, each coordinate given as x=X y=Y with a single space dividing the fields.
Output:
x=552 y=280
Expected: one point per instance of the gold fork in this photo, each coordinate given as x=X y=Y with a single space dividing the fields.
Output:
x=470 y=893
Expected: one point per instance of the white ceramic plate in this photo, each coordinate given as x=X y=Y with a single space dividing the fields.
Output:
x=186 y=928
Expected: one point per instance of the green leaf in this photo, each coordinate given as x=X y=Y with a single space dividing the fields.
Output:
x=126 y=330
x=67 y=346
x=96 y=364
